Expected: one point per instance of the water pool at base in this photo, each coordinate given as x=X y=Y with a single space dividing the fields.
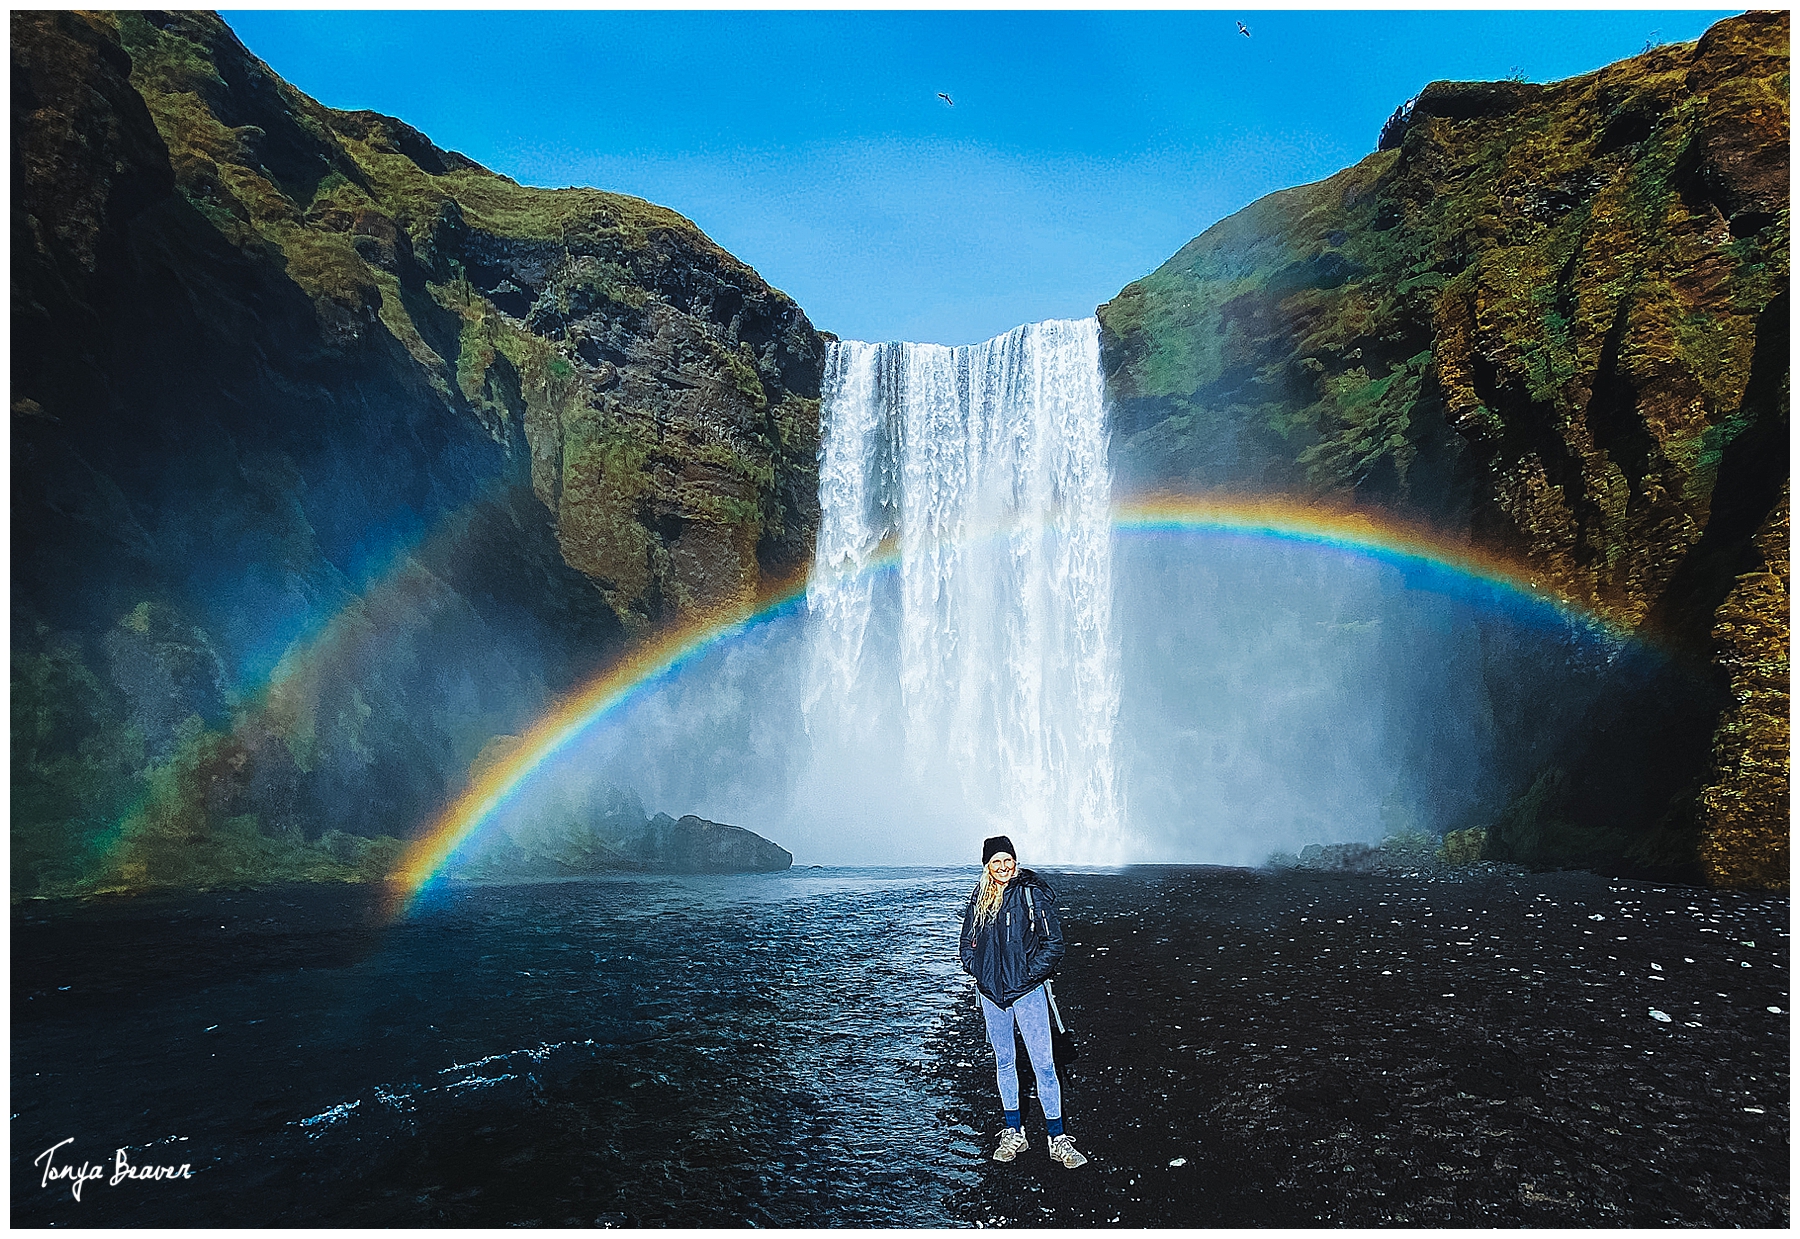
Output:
x=632 y=1050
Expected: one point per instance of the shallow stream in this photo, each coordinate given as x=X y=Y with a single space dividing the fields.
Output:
x=630 y=1050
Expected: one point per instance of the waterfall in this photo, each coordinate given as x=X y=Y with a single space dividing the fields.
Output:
x=985 y=466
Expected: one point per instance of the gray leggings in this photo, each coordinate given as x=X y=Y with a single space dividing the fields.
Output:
x=1032 y=1013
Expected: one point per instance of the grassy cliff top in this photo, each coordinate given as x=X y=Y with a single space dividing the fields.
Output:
x=1551 y=321
x=1483 y=169
x=260 y=151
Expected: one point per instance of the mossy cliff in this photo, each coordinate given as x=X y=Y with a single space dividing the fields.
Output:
x=336 y=454
x=1550 y=319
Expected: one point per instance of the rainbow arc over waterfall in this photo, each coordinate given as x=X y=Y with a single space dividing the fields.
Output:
x=1356 y=532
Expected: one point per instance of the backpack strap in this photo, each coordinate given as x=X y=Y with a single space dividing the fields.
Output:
x=1049 y=994
x=1032 y=912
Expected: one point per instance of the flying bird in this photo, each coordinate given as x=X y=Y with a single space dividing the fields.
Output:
x=1243 y=30
x=946 y=98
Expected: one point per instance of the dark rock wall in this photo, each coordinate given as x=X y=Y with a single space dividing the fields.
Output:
x=1551 y=319
x=335 y=454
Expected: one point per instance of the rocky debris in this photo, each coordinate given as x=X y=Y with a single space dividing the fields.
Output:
x=1550 y=321
x=1340 y=857
x=1463 y=847
x=1458 y=855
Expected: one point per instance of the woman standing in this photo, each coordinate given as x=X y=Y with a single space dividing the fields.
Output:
x=1011 y=941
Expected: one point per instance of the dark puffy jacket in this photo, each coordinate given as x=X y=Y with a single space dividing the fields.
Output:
x=1012 y=956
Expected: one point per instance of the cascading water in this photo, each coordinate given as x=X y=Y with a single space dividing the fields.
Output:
x=986 y=465
x=984 y=650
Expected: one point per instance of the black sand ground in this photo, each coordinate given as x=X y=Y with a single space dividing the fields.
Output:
x=1299 y=1048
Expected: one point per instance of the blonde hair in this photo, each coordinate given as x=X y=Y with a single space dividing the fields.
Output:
x=987 y=899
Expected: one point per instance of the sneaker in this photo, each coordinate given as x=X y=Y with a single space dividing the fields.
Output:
x=1012 y=1141
x=1063 y=1149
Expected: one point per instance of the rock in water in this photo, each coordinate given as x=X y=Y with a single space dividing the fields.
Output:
x=694 y=845
x=603 y=829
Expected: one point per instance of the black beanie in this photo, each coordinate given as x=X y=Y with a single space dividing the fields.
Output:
x=999 y=843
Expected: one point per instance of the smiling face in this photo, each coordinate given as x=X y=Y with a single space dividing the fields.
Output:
x=1001 y=867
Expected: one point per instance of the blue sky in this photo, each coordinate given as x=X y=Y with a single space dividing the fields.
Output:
x=1084 y=148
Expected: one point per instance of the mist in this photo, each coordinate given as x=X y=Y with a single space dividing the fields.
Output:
x=1103 y=694
x=1273 y=694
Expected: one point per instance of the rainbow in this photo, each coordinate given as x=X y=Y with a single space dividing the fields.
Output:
x=652 y=662
x=1361 y=532
x=640 y=669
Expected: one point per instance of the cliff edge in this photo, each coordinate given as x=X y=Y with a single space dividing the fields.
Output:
x=1551 y=320
x=336 y=454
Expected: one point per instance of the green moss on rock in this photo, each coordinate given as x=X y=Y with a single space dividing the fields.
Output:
x=412 y=448
x=1744 y=840
x=1549 y=319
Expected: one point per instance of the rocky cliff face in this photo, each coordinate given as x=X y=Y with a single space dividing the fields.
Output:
x=1552 y=319
x=335 y=454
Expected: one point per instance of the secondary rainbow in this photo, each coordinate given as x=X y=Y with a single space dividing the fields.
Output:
x=1358 y=532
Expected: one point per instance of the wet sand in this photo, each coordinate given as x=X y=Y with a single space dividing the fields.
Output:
x=1304 y=1048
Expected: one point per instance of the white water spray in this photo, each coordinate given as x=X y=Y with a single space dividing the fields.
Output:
x=982 y=652
x=987 y=465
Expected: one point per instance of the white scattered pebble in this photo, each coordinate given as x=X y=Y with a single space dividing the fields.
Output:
x=1753 y=1109
x=1661 y=1017
x=1596 y=917
x=1774 y=1010
x=1179 y=1161
x=1657 y=967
